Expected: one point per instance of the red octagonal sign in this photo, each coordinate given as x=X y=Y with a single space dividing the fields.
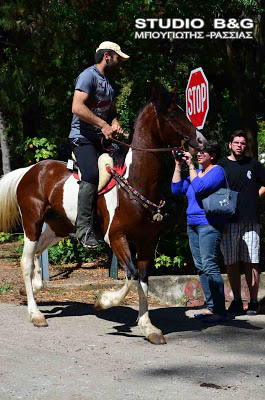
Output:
x=197 y=98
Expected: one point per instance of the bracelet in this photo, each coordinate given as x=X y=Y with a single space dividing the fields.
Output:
x=177 y=170
x=192 y=168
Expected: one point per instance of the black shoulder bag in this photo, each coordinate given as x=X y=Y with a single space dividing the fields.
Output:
x=221 y=203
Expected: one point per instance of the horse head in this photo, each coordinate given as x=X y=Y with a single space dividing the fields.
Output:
x=174 y=127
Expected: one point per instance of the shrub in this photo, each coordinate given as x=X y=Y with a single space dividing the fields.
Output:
x=71 y=251
x=4 y=237
x=37 y=149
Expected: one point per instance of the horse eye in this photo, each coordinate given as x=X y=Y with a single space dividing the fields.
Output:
x=172 y=114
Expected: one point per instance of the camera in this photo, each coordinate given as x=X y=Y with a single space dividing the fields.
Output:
x=178 y=155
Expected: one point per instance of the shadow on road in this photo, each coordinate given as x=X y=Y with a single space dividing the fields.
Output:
x=169 y=319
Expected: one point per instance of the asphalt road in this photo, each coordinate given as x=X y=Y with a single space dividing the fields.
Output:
x=83 y=355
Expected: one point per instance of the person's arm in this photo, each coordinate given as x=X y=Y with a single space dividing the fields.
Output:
x=114 y=120
x=261 y=177
x=177 y=172
x=178 y=185
x=210 y=182
x=262 y=191
x=80 y=109
x=189 y=161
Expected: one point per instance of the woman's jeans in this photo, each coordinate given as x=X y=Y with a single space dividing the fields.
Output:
x=205 y=243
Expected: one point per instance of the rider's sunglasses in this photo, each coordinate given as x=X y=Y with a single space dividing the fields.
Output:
x=201 y=152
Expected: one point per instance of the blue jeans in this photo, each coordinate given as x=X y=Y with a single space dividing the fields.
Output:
x=205 y=243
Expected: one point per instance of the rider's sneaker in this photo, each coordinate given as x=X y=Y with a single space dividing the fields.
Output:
x=89 y=240
x=253 y=307
x=236 y=307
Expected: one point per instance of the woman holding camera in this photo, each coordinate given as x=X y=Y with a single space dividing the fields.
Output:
x=205 y=233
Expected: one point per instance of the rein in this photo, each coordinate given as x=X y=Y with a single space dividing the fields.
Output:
x=176 y=130
x=147 y=150
x=184 y=140
x=123 y=181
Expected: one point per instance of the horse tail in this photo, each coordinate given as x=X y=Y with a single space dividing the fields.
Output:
x=9 y=213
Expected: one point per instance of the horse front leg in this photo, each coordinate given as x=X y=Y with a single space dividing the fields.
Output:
x=28 y=265
x=48 y=238
x=109 y=299
x=37 y=282
x=153 y=334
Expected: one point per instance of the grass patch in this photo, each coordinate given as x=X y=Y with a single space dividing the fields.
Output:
x=5 y=287
x=19 y=250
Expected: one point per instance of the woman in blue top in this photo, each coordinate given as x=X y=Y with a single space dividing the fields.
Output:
x=205 y=233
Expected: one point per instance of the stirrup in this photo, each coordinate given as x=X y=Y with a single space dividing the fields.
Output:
x=89 y=240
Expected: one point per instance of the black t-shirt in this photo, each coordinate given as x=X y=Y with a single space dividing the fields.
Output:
x=245 y=176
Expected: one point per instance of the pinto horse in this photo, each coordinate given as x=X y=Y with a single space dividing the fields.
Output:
x=47 y=192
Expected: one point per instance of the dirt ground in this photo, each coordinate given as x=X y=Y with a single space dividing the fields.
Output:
x=89 y=355
x=62 y=277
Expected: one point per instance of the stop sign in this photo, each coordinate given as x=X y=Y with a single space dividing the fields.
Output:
x=197 y=98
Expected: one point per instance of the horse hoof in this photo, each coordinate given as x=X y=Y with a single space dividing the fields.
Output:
x=22 y=291
x=156 y=338
x=97 y=305
x=39 y=321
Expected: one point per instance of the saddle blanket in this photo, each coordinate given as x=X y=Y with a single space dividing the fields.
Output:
x=111 y=183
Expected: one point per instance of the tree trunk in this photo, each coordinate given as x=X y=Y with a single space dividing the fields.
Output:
x=246 y=92
x=4 y=147
x=247 y=113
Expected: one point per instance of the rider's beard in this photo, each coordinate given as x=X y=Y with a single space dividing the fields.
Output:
x=111 y=67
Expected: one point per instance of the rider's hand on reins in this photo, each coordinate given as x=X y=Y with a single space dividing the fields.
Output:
x=107 y=131
x=117 y=128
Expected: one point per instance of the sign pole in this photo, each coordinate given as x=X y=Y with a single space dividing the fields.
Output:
x=44 y=261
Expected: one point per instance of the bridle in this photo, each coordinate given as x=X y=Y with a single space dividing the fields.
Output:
x=121 y=181
x=184 y=140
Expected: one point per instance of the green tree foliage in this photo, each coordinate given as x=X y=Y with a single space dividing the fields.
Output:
x=45 y=44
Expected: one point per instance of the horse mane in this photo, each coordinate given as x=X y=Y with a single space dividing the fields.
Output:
x=118 y=154
x=161 y=98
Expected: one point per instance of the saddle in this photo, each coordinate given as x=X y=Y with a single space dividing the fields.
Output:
x=106 y=181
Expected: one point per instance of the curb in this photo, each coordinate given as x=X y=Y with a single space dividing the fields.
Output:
x=84 y=286
x=181 y=290
x=185 y=290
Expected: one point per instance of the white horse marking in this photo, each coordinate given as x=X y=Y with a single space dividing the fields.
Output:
x=27 y=264
x=111 y=196
x=111 y=203
x=48 y=238
x=128 y=162
x=70 y=196
x=144 y=323
x=114 y=298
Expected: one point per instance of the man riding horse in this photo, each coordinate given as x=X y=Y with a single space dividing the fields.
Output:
x=94 y=117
